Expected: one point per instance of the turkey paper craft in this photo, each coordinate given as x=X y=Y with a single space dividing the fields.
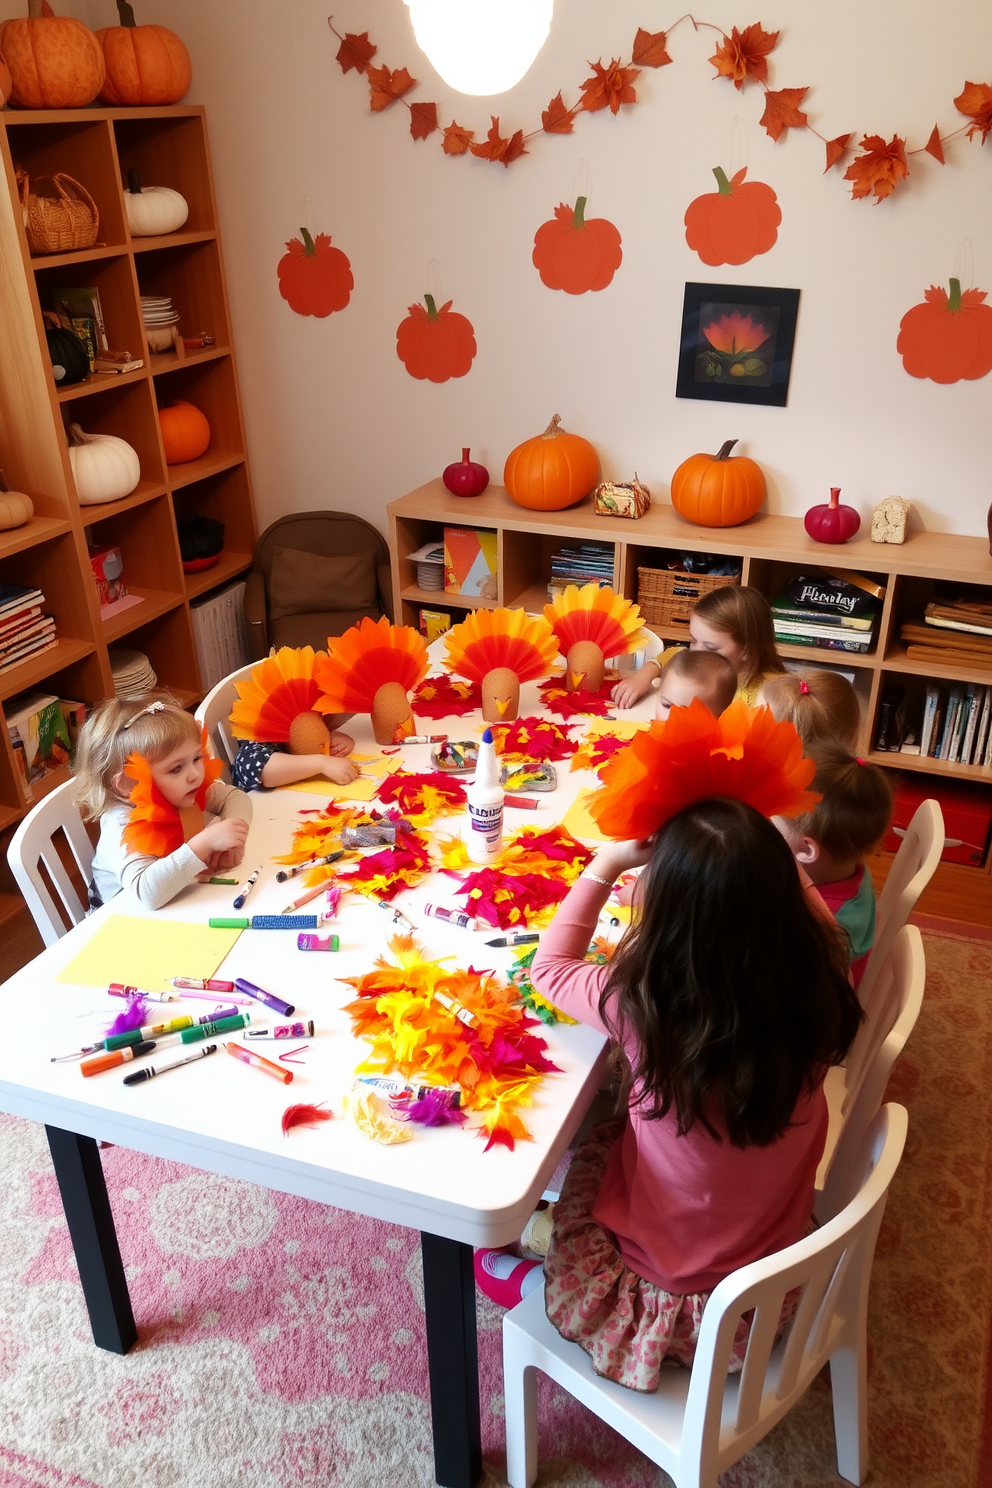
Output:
x=591 y=624
x=500 y=649
x=279 y=703
x=155 y=827
x=373 y=668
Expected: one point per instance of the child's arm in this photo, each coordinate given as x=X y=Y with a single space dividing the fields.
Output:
x=226 y=801
x=630 y=691
x=154 y=881
x=283 y=769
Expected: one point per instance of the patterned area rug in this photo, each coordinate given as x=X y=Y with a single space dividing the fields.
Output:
x=281 y=1343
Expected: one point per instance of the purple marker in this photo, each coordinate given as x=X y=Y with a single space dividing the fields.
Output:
x=284 y=1009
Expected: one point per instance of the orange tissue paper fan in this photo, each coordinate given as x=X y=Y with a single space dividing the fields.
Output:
x=155 y=827
x=591 y=624
x=373 y=668
x=693 y=757
x=500 y=649
x=278 y=703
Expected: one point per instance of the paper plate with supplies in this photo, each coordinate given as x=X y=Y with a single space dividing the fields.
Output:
x=456 y=756
x=528 y=775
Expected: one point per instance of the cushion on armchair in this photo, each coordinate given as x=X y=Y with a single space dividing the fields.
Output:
x=307 y=583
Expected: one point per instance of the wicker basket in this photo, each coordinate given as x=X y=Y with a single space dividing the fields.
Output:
x=666 y=597
x=60 y=216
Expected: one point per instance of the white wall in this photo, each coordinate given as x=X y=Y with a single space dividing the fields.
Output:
x=334 y=419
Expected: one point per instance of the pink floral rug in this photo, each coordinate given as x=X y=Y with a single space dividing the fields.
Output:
x=281 y=1343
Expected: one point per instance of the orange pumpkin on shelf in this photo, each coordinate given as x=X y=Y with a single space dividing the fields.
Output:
x=735 y=223
x=552 y=470
x=55 y=62
x=146 y=65
x=185 y=432
x=948 y=338
x=718 y=490
x=435 y=344
x=5 y=83
x=576 y=254
x=314 y=277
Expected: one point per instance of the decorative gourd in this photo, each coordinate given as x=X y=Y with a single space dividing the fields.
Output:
x=315 y=278
x=832 y=523
x=146 y=65
x=466 y=477
x=435 y=344
x=574 y=254
x=153 y=210
x=949 y=337
x=718 y=490
x=552 y=470
x=104 y=468
x=55 y=62
x=15 y=507
x=185 y=433
x=735 y=223
x=70 y=359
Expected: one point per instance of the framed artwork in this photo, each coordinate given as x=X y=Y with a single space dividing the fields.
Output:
x=736 y=344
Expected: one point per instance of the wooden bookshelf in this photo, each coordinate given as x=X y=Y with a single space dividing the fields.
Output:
x=98 y=147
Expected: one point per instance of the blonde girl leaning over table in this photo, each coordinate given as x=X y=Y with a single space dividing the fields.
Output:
x=165 y=745
x=822 y=706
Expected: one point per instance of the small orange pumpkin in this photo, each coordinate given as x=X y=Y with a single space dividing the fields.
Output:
x=185 y=432
x=55 y=62
x=146 y=65
x=551 y=471
x=5 y=83
x=718 y=490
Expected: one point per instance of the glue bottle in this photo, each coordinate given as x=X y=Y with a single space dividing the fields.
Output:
x=485 y=805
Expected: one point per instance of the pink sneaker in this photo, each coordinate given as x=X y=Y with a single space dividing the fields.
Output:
x=504 y=1278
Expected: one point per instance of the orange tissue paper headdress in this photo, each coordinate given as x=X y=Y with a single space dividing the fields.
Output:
x=277 y=703
x=591 y=624
x=154 y=827
x=373 y=668
x=500 y=649
x=693 y=757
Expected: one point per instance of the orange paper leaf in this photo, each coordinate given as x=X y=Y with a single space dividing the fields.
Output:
x=557 y=119
x=356 y=51
x=498 y=148
x=835 y=149
x=782 y=111
x=933 y=145
x=649 y=48
x=386 y=86
x=423 y=119
x=457 y=139
x=975 y=100
x=743 y=54
x=609 y=87
x=879 y=169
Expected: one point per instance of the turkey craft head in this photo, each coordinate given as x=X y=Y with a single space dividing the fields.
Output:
x=372 y=669
x=278 y=703
x=500 y=649
x=591 y=624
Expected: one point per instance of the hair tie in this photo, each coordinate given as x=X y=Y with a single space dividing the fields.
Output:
x=803 y=687
x=859 y=760
x=156 y=707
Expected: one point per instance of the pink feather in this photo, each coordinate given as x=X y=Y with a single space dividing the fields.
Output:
x=303 y=1115
x=135 y=1015
x=434 y=1108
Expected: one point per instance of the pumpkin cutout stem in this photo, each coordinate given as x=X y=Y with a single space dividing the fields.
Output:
x=721 y=180
x=309 y=246
x=431 y=307
x=579 y=214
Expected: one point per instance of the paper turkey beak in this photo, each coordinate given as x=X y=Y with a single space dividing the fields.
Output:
x=404 y=730
x=502 y=704
x=577 y=679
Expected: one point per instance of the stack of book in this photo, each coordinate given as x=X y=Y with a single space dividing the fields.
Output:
x=584 y=563
x=956 y=628
x=24 y=629
x=834 y=611
x=956 y=723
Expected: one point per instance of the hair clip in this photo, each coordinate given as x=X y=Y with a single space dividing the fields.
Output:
x=803 y=688
x=156 y=707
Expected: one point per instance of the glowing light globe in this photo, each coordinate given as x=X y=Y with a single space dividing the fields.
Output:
x=481 y=46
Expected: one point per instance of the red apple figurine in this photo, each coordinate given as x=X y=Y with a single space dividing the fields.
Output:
x=833 y=523
x=465 y=477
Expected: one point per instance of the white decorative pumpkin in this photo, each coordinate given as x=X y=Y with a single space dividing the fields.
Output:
x=104 y=467
x=15 y=507
x=153 y=210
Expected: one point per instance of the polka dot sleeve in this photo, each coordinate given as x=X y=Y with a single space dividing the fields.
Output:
x=250 y=761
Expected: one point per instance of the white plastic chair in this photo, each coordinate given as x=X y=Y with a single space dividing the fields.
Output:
x=214 y=712
x=912 y=869
x=32 y=849
x=702 y=1420
x=856 y=1089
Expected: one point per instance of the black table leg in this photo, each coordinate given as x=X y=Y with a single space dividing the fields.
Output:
x=94 y=1238
x=452 y=1360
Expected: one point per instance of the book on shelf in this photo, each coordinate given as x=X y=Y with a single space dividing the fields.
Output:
x=891 y=719
x=13 y=661
x=40 y=628
x=929 y=714
x=983 y=739
x=39 y=734
x=14 y=597
x=83 y=304
x=14 y=620
x=117 y=361
x=968 y=610
x=800 y=614
x=824 y=637
x=470 y=562
x=950 y=721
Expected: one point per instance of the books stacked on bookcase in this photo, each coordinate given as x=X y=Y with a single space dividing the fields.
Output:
x=956 y=628
x=584 y=563
x=24 y=628
x=835 y=611
x=957 y=723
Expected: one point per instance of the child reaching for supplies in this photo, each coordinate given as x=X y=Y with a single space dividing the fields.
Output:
x=169 y=742
x=831 y=842
x=691 y=674
x=258 y=764
x=822 y=706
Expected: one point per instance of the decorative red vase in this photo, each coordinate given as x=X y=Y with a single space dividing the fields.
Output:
x=833 y=523
x=465 y=477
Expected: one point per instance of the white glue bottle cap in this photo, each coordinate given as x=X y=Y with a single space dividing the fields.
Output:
x=485 y=805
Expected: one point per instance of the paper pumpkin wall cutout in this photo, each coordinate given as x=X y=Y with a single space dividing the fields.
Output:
x=949 y=337
x=435 y=344
x=735 y=223
x=314 y=277
x=576 y=253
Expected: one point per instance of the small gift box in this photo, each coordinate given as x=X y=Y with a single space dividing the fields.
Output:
x=621 y=498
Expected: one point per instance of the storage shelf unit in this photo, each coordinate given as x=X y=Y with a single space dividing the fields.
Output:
x=98 y=147
x=771 y=549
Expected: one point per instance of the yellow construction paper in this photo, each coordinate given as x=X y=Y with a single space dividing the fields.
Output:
x=619 y=728
x=578 y=821
x=374 y=768
x=146 y=952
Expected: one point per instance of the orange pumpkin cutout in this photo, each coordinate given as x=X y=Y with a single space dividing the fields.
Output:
x=949 y=337
x=54 y=61
x=735 y=223
x=718 y=490
x=185 y=433
x=435 y=344
x=146 y=65
x=314 y=278
x=552 y=470
x=576 y=254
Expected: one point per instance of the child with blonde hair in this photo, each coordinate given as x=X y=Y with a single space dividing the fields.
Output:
x=155 y=736
x=822 y=706
x=692 y=674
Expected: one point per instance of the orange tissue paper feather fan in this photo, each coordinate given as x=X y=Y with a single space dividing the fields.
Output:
x=488 y=639
x=693 y=757
x=154 y=827
x=592 y=620
x=278 y=690
x=373 y=668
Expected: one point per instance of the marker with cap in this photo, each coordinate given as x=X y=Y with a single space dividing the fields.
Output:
x=249 y=884
x=202 y=1031
x=397 y=914
x=284 y=1009
x=120 y=989
x=270 y=922
x=515 y=938
x=425 y=739
x=201 y=984
x=451 y=916
x=150 y=1031
x=110 y=1058
x=248 y=1056
x=526 y=803
x=303 y=1029
x=286 y=873
x=149 y=1071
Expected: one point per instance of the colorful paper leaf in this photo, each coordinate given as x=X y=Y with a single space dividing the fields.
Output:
x=835 y=149
x=456 y=139
x=386 y=86
x=879 y=168
x=609 y=87
x=975 y=100
x=423 y=119
x=649 y=49
x=557 y=119
x=498 y=148
x=782 y=111
x=743 y=55
x=356 y=51
x=934 y=146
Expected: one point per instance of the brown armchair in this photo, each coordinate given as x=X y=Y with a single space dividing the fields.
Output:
x=315 y=574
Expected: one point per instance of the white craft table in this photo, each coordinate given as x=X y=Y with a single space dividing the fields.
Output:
x=224 y=1117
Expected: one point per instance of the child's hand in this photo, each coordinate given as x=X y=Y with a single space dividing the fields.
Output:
x=341 y=743
x=340 y=771
x=226 y=834
x=621 y=857
x=632 y=688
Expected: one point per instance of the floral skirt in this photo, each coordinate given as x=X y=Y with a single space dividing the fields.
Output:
x=629 y=1327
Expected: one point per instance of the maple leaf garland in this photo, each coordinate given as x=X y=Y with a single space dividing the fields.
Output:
x=386 y=86
x=782 y=111
x=879 y=168
x=609 y=87
x=744 y=54
x=975 y=102
x=498 y=148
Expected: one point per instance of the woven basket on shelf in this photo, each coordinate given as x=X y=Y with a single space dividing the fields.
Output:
x=60 y=216
x=666 y=597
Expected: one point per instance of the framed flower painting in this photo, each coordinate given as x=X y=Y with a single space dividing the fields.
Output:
x=736 y=344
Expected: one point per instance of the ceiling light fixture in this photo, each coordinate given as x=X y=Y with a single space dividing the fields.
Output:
x=481 y=46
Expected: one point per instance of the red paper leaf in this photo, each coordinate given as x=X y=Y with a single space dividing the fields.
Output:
x=356 y=51
x=835 y=149
x=386 y=86
x=879 y=169
x=609 y=87
x=782 y=111
x=498 y=148
x=456 y=139
x=742 y=55
x=975 y=100
x=933 y=145
x=423 y=119
x=649 y=48
x=557 y=119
